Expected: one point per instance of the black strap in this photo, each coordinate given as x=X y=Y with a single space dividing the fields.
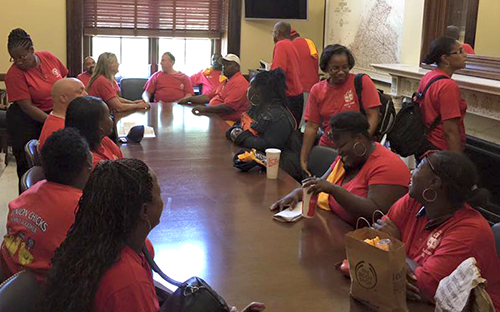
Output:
x=155 y=268
x=436 y=121
x=358 y=86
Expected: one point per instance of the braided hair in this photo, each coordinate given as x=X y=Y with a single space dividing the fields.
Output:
x=459 y=177
x=107 y=214
x=272 y=85
x=19 y=38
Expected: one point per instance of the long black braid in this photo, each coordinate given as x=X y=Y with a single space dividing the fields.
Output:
x=19 y=38
x=107 y=214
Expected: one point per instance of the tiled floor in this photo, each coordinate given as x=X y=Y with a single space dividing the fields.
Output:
x=8 y=190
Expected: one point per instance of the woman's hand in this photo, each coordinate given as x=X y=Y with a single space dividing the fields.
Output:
x=318 y=185
x=412 y=291
x=387 y=226
x=199 y=110
x=143 y=105
x=139 y=101
x=289 y=200
x=303 y=165
x=252 y=307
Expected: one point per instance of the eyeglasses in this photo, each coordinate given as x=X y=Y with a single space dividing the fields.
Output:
x=22 y=58
x=428 y=158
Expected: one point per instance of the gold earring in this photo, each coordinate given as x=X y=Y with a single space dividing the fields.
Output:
x=149 y=225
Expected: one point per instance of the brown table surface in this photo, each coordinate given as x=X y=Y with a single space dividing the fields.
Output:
x=216 y=223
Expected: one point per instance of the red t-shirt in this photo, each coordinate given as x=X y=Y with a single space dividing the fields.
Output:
x=35 y=84
x=169 y=87
x=36 y=225
x=208 y=78
x=85 y=78
x=308 y=64
x=443 y=98
x=440 y=249
x=326 y=100
x=285 y=56
x=233 y=94
x=51 y=125
x=383 y=167
x=468 y=49
x=108 y=150
x=128 y=285
x=103 y=88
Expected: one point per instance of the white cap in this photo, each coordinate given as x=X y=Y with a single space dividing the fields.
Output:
x=232 y=58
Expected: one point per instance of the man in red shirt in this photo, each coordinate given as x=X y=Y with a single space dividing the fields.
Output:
x=63 y=92
x=167 y=85
x=285 y=56
x=40 y=217
x=230 y=99
x=210 y=78
x=308 y=60
x=88 y=69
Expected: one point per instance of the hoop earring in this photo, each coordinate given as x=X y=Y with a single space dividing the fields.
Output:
x=256 y=103
x=364 y=149
x=427 y=199
x=149 y=225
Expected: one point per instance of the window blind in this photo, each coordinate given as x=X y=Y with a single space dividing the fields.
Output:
x=159 y=18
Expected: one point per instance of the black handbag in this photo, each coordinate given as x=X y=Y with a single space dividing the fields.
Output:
x=194 y=295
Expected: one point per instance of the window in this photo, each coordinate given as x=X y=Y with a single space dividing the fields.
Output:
x=191 y=55
x=132 y=54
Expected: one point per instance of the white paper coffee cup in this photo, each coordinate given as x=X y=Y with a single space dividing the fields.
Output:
x=273 y=162
x=309 y=201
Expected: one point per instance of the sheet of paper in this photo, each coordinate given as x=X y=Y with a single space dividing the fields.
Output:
x=454 y=290
x=290 y=215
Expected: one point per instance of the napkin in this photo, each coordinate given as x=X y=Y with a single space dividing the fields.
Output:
x=290 y=215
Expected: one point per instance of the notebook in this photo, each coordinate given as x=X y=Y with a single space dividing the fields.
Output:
x=290 y=215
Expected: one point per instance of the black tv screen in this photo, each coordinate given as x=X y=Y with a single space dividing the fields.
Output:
x=276 y=9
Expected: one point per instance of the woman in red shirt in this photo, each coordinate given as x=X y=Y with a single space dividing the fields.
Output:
x=363 y=178
x=101 y=266
x=29 y=82
x=334 y=95
x=443 y=99
x=103 y=84
x=439 y=227
x=91 y=116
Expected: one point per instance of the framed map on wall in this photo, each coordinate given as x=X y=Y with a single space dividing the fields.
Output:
x=372 y=29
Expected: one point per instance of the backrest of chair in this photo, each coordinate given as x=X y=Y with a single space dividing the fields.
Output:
x=496 y=233
x=320 y=159
x=21 y=292
x=31 y=177
x=32 y=155
x=132 y=88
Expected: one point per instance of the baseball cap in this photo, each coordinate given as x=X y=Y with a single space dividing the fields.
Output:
x=232 y=58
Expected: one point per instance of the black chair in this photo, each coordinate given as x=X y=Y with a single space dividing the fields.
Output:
x=32 y=154
x=132 y=88
x=31 y=177
x=21 y=292
x=4 y=140
x=320 y=159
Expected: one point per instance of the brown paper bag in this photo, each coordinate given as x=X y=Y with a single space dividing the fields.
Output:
x=378 y=277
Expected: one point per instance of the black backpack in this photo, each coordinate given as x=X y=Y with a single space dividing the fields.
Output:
x=409 y=134
x=387 y=110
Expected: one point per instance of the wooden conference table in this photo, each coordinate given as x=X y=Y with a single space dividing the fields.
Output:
x=216 y=222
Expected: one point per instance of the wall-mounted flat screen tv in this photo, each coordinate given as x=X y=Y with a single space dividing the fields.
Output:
x=276 y=9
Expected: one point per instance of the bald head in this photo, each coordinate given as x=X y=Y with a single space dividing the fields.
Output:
x=281 y=31
x=64 y=91
x=89 y=64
